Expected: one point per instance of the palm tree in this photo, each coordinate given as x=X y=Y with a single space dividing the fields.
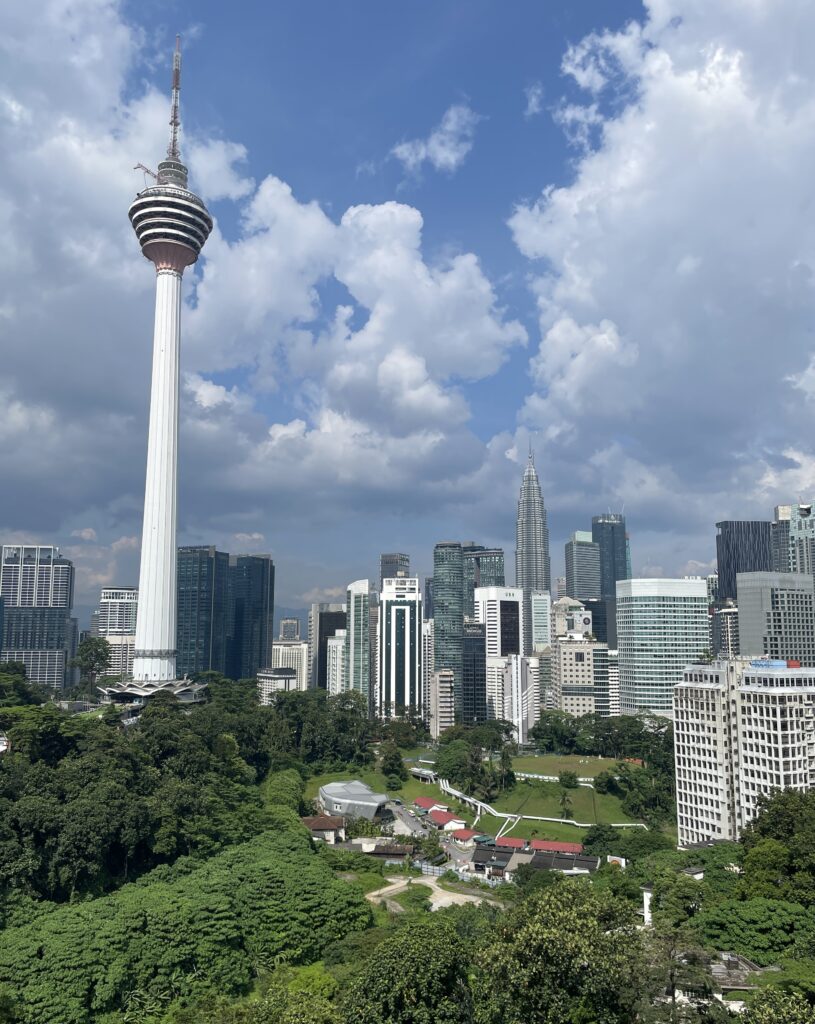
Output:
x=565 y=804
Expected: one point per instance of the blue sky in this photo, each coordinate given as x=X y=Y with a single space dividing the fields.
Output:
x=441 y=228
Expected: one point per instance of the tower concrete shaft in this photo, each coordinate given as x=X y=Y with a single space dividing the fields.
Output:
x=171 y=224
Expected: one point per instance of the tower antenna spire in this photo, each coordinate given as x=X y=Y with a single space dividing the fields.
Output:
x=175 y=118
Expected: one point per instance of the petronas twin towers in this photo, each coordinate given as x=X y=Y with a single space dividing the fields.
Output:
x=532 y=571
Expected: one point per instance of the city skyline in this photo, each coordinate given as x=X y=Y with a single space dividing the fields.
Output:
x=607 y=395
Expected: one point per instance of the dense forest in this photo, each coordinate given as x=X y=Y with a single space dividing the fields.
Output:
x=160 y=875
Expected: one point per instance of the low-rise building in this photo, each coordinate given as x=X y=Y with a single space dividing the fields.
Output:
x=327 y=827
x=446 y=821
x=351 y=800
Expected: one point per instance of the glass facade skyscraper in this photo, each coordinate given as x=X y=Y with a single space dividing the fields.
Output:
x=203 y=610
x=582 y=566
x=448 y=610
x=474 y=673
x=323 y=621
x=532 y=569
x=250 y=628
x=393 y=564
x=608 y=533
x=741 y=546
x=483 y=567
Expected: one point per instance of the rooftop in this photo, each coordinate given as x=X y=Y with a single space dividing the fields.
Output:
x=547 y=846
x=443 y=817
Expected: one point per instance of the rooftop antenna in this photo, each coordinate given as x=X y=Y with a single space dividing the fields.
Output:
x=175 y=119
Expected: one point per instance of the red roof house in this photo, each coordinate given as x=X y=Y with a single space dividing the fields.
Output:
x=464 y=835
x=510 y=843
x=427 y=803
x=550 y=847
x=445 y=820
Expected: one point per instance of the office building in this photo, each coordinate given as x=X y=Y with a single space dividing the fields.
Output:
x=441 y=702
x=324 y=619
x=801 y=539
x=37 y=588
x=292 y=654
x=560 y=587
x=570 y=616
x=712 y=580
x=582 y=566
x=532 y=571
x=474 y=674
x=373 y=643
x=725 y=631
x=391 y=565
x=741 y=546
x=521 y=696
x=428 y=597
x=603 y=611
x=172 y=225
x=541 y=611
x=608 y=533
x=289 y=629
x=501 y=611
x=780 y=539
x=203 y=612
x=250 y=623
x=358 y=638
x=115 y=621
x=482 y=567
x=742 y=729
x=335 y=678
x=662 y=626
x=448 y=609
x=546 y=694
x=776 y=615
x=580 y=676
x=276 y=680
x=401 y=683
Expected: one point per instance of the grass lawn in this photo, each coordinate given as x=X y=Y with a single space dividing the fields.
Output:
x=414 y=754
x=368 y=881
x=543 y=798
x=541 y=829
x=554 y=764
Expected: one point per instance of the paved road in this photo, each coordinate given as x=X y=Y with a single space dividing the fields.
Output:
x=410 y=822
x=438 y=898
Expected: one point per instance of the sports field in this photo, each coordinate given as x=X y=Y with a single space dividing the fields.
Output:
x=554 y=764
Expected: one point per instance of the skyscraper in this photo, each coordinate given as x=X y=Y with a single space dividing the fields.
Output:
x=531 y=545
x=802 y=539
x=662 y=626
x=780 y=539
x=250 y=627
x=358 y=638
x=474 y=674
x=391 y=565
x=541 y=604
x=608 y=533
x=292 y=654
x=172 y=226
x=37 y=587
x=741 y=546
x=582 y=566
x=483 y=567
x=428 y=597
x=401 y=683
x=776 y=615
x=289 y=629
x=336 y=680
x=323 y=621
x=448 y=610
x=203 y=610
x=115 y=621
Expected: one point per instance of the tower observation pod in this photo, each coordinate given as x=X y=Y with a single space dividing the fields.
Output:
x=171 y=224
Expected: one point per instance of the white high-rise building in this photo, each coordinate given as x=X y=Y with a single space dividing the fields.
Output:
x=428 y=658
x=614 y=708
x=336 y=679
x=172 y=225
x=521 y=695
x=115 y=621
x=741 y=729
x=662 y=626
x=358 y=638
x=292 y=654
x=401 y=678
x=501 y=609
x=441 y=702
x=541 y=605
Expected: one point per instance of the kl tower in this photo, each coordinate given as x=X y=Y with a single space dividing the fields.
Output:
x=171 y=224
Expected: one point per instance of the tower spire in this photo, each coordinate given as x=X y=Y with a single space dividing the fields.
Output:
x=175 y=118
